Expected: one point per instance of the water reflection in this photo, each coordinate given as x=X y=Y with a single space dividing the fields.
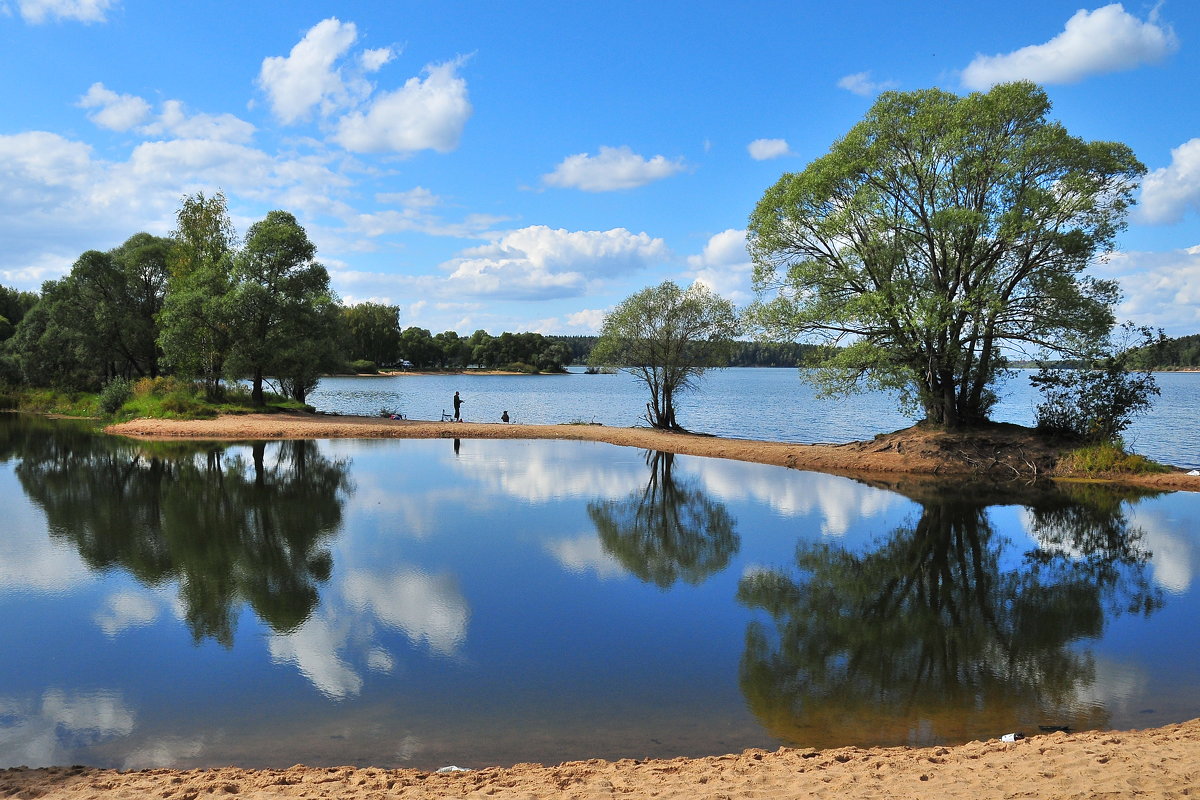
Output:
x=228 y=531
x=667 y=532
x=936 y=635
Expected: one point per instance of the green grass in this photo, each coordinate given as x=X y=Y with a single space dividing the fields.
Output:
x=1109 y=459
x=162 y=398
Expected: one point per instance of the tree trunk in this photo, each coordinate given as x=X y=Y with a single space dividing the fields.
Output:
x=256 y=394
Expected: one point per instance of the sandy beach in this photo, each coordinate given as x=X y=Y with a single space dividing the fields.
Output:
x=1155 y=763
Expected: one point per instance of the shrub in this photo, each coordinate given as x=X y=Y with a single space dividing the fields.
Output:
x=1098 y=402
x=114 y=395
x=364 y=367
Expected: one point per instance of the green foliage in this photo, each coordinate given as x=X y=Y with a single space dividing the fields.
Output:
x=939 y=231
x=1108 y=458
x=667 y=337
x=1180 y=353
x=372 y=333
x=114 y=395
x=364 y=367
x=196 y=321
x=284 y=317
x=1099 y=400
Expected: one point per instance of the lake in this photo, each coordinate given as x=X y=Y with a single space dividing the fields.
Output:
x=747 y=403
x=432 y=602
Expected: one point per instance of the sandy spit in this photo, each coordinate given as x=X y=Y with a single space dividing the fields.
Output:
x=1157 y=763
x=1008 y=452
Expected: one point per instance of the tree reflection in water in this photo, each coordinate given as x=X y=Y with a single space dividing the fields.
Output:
x=668 y=532
x=228 y=530
x=944 y=632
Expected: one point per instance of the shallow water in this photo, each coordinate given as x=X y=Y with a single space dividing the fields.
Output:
x=424 y=603
x=748 y=403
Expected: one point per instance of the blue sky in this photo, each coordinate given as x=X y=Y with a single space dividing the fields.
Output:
x=527 y=165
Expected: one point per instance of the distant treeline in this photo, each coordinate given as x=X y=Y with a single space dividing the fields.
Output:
x=373 y=338
x=745 y=354
x=1177 y=353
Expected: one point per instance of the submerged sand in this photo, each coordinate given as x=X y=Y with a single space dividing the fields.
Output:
x=1158 y=763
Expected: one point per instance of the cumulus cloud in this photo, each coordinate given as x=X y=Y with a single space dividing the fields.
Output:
x=724 y=265
x=175 y=121
x=38 y=11
x=373 y=60
x=539 y=262
x=307 y=76
x=424 y=114
x=117 y=112
x=763 y=149
x=611 y=169
x=861 y=84
x=1169 y=191
x=1161 y=289
x=1108 y=39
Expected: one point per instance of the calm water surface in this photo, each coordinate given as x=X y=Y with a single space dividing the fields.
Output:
x=488 y=602
x=747 y=403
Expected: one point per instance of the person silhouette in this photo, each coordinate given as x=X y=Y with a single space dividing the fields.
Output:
x=458 y=401
x=504 y=417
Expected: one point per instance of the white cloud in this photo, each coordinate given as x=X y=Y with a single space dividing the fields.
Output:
x=1161 y=289
x=541 y=262
x=724 y=266
x=306 y=77
x=39 y=11
x=427 y=114
x=1093 y=42
x=1167 y=192
x=125 y=610
x=175 y=122
x=585 y=554
x=117 y=112
x=30 y=561
x=313 y=649
x=588 y=319
x=373 y=60
x=763 y=149
x=613 y=168
x=860 y=83
x=38 y=735
x=428 y=609
x=416 y=197
x=840 y=502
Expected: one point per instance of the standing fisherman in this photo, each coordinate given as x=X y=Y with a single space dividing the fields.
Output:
x=458 y=401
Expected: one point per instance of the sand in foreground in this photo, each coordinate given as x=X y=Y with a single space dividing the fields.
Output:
x=1156 y=763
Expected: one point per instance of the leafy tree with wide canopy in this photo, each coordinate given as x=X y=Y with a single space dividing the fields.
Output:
x=667 y=337
x=279 y=302
x=939 y=233
x=98 y=321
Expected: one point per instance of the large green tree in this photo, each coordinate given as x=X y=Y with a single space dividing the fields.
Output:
x=279 y=303
x=667 y=337
x=196 y=324
x=372 y=333
x=98 y=321
x=938 y=233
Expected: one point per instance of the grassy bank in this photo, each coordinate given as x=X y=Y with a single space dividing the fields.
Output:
x=155 y=398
